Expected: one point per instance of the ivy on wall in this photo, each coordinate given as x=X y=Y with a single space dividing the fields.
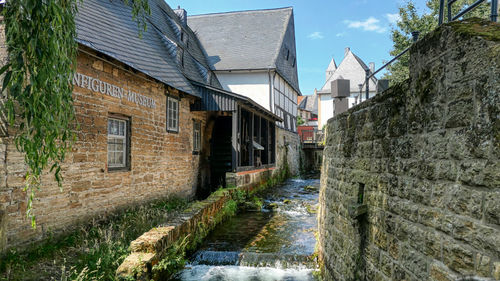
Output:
x=40 y=38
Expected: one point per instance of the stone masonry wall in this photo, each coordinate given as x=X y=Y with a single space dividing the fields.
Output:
x=162 y=163
x=287 y=146
x=427 y=153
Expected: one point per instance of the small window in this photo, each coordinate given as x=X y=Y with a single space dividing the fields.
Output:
x=180 y=57
x=172 y=114
x=184 y=38
x=117 y=143
x=196 y=136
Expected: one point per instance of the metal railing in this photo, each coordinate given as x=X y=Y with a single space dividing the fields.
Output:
x=311 y=136
x=415 y=34
x=449 y=4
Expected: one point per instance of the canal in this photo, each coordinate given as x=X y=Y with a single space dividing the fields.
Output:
x=274 y=243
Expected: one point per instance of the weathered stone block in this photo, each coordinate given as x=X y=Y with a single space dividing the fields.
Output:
x=465 y=201
x=439 y=272
x=459 y=113
x=153 y=241
x=385 y=264
x=458 y=258
x=492 y=207
x=483 y=265
x=414 y=261
x=136 y=266
x=496 y=270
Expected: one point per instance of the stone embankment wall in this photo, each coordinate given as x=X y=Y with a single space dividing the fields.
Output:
x=410 y=183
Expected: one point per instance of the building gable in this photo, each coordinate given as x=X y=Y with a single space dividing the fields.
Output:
x=351 y=68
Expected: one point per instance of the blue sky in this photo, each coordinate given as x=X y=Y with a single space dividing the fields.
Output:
x=323 y=28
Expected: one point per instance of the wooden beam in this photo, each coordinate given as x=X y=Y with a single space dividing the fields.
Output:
x=234 y=141
x=251 y=138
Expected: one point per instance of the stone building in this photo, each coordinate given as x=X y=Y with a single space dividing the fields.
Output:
x=154 y=122
x=351 y=68
x=253 y=54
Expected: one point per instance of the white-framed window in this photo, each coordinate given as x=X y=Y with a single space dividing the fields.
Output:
x=196 y=136
x=172 y=114
x=117 y=143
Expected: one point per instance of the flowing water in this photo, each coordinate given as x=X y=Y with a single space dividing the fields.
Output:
x=275 y=243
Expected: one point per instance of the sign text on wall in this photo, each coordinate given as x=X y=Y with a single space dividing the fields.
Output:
x=98 y=86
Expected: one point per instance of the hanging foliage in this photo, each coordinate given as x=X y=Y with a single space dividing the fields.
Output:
x=40 y=38
x=140 y=9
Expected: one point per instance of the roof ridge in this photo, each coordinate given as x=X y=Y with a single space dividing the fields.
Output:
x=240 y=12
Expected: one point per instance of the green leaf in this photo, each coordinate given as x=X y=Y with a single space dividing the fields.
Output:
x=6 y=80
x=4 y=68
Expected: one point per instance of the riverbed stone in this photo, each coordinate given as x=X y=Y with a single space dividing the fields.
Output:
x=433 y=201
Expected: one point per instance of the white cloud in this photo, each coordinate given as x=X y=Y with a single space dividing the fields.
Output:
x=340 y=34
x=316 y=35
x=370 y=24
x=393 y=18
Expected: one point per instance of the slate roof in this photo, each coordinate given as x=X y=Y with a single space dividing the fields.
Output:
x=107 y=27
x=249 y=40
x=309 y=103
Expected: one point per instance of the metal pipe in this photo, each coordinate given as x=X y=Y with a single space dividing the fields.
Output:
x=468 y=9
x=367 y=80
x=358 y=99
x=391 y=61
x=441 y=11
x=449 y=9
x=494 y=10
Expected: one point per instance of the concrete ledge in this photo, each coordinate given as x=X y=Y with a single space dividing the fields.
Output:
x=150 y=247
x=250 y=178
x=136 y=265
x=153 y=240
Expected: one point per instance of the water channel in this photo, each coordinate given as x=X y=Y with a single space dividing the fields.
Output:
x=275 y=243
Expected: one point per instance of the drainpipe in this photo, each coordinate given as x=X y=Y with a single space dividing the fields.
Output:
x=271 y=86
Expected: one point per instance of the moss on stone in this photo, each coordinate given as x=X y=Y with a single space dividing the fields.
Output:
x=477 y=27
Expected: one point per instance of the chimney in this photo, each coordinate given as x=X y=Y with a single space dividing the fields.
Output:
x=182 y=14
x=372 y=67
x=347 y=49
